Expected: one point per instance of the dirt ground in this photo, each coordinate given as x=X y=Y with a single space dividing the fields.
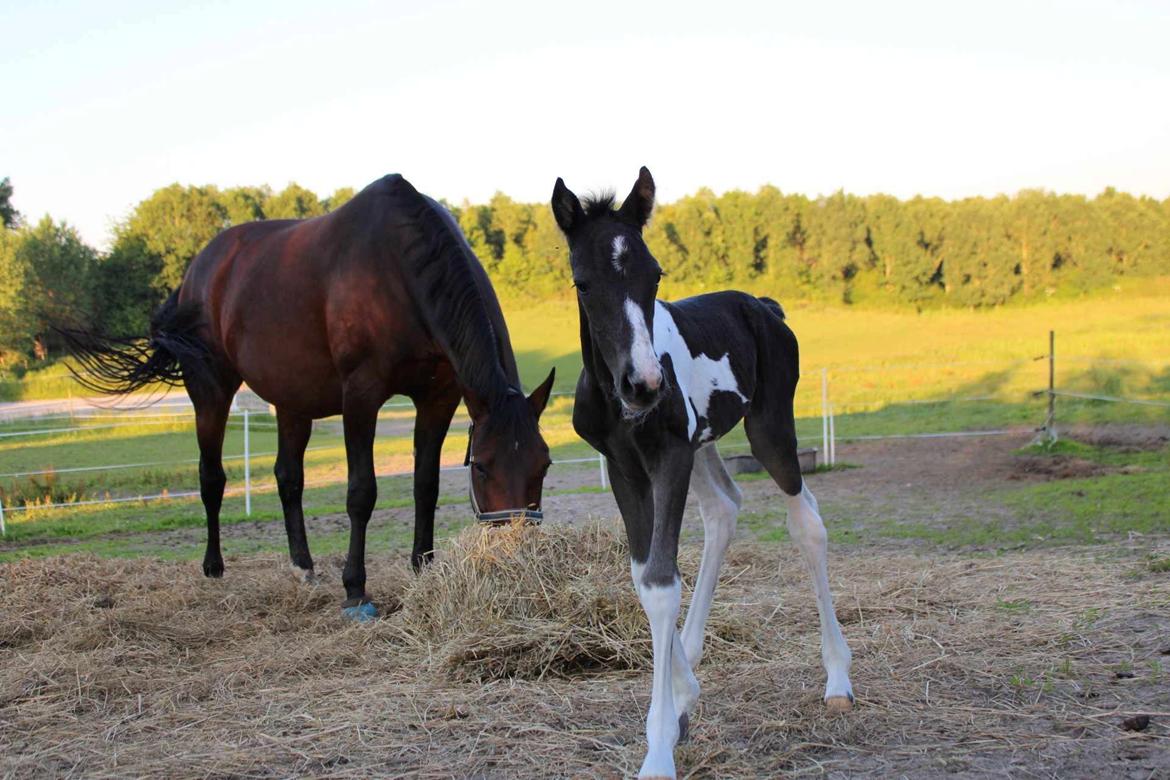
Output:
x=1038 y=663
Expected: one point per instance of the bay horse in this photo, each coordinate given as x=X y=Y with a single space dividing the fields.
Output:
x=334 y=315
x=661 y=383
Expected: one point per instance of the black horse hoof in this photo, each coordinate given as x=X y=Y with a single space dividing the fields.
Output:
x=213 y=570
x=684 y=728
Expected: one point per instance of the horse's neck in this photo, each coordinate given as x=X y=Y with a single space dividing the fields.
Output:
x=476 y=341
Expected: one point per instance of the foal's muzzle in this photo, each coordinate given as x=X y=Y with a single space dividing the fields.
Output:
x=638 y=395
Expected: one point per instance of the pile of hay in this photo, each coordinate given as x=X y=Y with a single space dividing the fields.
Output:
x=528 y=602
x=523 y=653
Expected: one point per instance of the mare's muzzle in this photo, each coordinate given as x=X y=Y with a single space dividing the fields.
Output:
x=500 y=516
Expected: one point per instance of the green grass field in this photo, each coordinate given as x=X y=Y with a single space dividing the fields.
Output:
x=889 y=373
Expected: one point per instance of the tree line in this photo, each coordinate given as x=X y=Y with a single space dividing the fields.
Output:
x=840 y=248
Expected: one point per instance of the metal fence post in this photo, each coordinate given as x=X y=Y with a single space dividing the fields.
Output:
x=601 y=468
x=1050 y=424
x=3 y=529
x=247 y=468
x=832 y=437
x=825 y=414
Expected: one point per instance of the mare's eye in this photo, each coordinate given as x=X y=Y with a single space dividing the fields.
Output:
x=582 y=287
x=479 y=469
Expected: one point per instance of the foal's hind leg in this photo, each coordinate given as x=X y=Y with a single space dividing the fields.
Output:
x=719 y=502
x=773 y=439
x=293 y=432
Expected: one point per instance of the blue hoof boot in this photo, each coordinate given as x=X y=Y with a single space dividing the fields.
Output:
x=362 y=613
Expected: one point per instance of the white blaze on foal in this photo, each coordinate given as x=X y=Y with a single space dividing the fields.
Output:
x=642 y=357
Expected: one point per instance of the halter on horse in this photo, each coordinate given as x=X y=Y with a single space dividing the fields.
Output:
x=661 y=383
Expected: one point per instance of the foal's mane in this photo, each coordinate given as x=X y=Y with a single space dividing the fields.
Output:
x=599 y=204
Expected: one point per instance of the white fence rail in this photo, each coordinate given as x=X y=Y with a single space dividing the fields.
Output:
x=97 y=418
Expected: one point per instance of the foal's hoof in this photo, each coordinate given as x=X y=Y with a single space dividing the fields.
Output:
x=838 y=705
x=213 y=569
x=684 y=728
x=361 y=613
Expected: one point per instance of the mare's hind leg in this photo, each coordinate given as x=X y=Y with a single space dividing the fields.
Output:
x=212 y=406
x=719 y=502
x=772 y=432
x=293 y=432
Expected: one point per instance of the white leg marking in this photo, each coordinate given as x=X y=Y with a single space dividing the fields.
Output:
x=661 y=604
x=808 y=531
x=642 y=357
x=307 y=576
x=719 y=502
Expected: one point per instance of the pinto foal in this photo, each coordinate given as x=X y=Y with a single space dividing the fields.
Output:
x=661 y=383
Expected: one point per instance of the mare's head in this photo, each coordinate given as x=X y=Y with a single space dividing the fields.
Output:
x=617 y=282
x=507 y=456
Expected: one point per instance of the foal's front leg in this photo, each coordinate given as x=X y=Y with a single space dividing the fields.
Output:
x=660 y=591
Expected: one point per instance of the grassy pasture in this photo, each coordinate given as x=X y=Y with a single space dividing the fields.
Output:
x=889 y=373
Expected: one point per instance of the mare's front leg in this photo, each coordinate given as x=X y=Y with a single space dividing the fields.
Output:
x=360 y=416
x=432 y=421
x=660 y=591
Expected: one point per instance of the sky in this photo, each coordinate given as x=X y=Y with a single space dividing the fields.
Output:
x=105 y=102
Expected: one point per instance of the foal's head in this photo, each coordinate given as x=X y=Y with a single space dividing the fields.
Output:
x=617 y=280
x=507 y=455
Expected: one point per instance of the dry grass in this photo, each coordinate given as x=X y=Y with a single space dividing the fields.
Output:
x=523 y=654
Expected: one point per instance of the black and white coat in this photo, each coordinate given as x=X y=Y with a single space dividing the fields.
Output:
x=661 y=383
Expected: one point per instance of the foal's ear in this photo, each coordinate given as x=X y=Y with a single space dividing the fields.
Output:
x=566 y=208
x=640 y=202
x=539 y=398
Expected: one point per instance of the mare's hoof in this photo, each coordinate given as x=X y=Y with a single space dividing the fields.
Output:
x=684 y=728
x=837 y=705
x=306 y=576
x=361 y=613
x=214 y=570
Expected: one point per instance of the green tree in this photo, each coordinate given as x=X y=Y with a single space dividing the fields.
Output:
x=174 y=224
x=58 y=285
x=340 y=197
x=293 y=202
x=244 y=204
x=9 y=216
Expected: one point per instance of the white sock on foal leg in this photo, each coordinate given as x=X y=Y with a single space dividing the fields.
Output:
x=661 y=603
x=808 y=531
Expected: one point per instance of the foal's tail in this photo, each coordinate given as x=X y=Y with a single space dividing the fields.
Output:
x=173 y=354
x=772 y=306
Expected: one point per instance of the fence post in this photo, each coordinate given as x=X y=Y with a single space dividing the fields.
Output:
x=601 y=468
x=3 y=529
x=247 y=468
x=825 y=414
x=832 y=437
x=1050 y=424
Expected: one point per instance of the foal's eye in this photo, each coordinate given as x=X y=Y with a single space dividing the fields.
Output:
x=479 y=469
x=582 y=287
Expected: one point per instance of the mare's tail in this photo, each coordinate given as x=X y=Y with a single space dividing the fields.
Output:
x=173 y=354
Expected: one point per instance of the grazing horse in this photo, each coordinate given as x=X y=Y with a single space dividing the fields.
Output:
x=333 y=315
x=661 y=383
